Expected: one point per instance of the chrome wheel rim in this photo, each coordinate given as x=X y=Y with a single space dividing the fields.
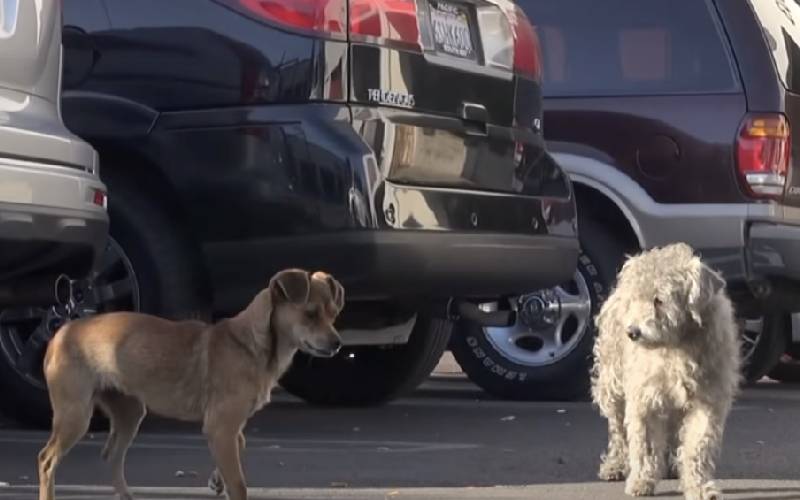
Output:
x=752 y=332
x=113 y=287
x=549 y=324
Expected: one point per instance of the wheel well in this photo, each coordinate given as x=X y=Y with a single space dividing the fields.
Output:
x=608 y=214
x=121 y=165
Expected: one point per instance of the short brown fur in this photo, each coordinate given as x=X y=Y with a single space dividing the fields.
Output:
x=220 y=375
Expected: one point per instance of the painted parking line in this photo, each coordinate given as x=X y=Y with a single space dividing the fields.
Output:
x=189 y=442
x=734 y=489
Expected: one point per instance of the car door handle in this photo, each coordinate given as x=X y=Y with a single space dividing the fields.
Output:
x=475 y=119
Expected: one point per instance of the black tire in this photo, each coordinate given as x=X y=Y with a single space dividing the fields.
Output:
x=770 y=346
x=369 y=375
x=169 y=280
x=787 y=370
x=173 y=281
x=566 y=379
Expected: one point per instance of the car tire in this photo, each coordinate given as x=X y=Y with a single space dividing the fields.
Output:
x=167 y=279
x=787 y=370
x=510 y=373
x=765 y=354
x=369 y=375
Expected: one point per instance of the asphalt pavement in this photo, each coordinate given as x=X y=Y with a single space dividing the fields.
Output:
x=447 y=440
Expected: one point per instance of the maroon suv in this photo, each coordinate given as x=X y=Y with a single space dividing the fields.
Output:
x=677 y=120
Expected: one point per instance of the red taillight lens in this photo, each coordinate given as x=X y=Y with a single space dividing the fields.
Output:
x=763 y=154
x=527 y=55
x=99 y=198
x=321 y=16
x=379 y=21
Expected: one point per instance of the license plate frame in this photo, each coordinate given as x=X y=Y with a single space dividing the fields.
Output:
x=453 y=31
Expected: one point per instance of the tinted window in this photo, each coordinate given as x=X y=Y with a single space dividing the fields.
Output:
x=780 y=20
x=621 y=47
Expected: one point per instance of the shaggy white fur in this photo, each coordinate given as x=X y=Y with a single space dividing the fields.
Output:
x=666 y=371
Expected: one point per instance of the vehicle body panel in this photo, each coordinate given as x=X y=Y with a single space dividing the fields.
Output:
x=271 y=162
x=50 y=221
x=666 y=156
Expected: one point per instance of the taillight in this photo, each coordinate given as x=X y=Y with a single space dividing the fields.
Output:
x=381 y=21
x=497 y=36
x=510 y=40
x=99 y=198
x=319 y=16
x=763 y=154
x=527 y=56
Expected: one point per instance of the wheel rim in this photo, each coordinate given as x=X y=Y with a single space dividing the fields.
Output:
x=549 y=324
x=113 y=287
x=752 y=333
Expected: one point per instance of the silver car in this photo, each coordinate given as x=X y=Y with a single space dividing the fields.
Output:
x=53 y=218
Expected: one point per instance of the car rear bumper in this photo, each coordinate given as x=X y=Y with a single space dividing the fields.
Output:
x=755 y=246
x=407 y=265
x=311 y=186
x=48 y=220
x=774 y=252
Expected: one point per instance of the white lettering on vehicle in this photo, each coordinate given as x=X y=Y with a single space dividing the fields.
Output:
x=390 y=97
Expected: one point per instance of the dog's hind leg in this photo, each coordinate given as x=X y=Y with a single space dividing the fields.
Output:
x=701 y=437
x=126 y=414
x=647 y=441
x=71 y=417
x=614 y=461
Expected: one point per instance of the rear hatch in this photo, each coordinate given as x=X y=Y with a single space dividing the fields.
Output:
x=445 y=92
x=455 y=87
x=30 y=74
x=28 y=50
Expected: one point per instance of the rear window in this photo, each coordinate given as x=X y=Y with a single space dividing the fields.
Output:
x=780 y=22
x=630 y=47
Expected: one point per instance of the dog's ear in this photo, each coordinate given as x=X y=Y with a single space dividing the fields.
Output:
x=706 y=284
x=337 y=290
x=290 y=285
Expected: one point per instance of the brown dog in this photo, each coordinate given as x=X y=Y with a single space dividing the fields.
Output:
x=216 y=374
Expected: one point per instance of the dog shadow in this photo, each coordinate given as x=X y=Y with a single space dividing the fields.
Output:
x=779 y=493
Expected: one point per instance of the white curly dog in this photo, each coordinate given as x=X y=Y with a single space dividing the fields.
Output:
x=666 y=371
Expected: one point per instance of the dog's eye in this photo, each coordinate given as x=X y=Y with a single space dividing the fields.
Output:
x=657 y=302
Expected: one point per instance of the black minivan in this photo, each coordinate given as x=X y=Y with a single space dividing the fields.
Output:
x=394 y=143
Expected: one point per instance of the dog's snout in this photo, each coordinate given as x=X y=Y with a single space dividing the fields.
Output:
x=634 y=333
x=336 y=345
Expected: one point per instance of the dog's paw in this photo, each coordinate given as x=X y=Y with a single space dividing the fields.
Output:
x=672 y=473
x=640 y=488
x=124 y=496
x=708 y=491
x=611 y=474
x=216 y=484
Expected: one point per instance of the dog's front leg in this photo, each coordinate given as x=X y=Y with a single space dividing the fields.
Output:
x=615 y=459
x=701 y=437
x=646 y=445
x=215 y=482
x=224 y=444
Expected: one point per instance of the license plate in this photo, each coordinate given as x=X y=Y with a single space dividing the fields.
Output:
x=451 y=29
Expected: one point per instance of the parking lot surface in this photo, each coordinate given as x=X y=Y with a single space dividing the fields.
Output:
x=447 y=440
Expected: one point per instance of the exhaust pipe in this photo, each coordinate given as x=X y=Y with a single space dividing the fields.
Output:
x=36 y=292
x=457 y=309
